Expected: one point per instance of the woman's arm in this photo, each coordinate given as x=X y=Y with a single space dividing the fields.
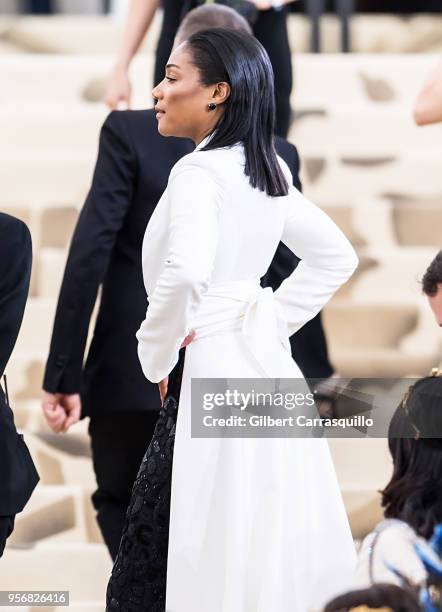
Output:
x=140 y=15
x=327 y=261
x=428 y=107
x=193 y=237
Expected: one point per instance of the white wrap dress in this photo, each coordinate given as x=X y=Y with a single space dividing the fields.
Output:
x=256 y=524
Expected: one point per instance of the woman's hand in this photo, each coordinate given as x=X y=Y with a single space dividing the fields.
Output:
x=188 y=339
x=162 y=386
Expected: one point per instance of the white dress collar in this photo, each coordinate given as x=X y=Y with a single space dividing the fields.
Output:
x=209 y=137
x=204 y=142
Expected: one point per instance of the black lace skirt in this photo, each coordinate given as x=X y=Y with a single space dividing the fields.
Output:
x=138 y=579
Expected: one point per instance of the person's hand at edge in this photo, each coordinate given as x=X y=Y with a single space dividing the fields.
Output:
x=163 y=384
x=61 y=410
x=119 y=89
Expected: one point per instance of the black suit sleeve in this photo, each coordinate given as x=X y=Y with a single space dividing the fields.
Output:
x=284 y=260
x=15 y=272
x=309 y=346
x=100 y=220
x=295 y=167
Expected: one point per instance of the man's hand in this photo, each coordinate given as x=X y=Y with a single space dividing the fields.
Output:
x=61 y=410
x=118 y=89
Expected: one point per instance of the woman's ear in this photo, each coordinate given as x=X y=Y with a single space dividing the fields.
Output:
x=221 y=92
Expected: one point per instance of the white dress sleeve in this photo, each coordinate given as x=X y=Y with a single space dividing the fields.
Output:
x=194 y=204
x=388 y=550
x=328 y=261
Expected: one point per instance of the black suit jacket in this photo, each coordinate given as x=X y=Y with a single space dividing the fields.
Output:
x=131 y=173
x=18 y=476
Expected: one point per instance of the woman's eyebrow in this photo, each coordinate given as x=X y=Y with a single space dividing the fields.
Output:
x=172 y=66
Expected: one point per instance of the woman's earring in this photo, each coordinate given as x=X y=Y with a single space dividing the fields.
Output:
x=211 y=106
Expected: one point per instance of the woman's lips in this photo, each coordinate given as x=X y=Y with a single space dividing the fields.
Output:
x=159 y=114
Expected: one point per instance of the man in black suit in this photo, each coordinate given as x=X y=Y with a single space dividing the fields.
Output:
x=133 y=166
x=18 y=476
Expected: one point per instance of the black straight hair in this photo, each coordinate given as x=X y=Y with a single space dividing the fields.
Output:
x=433 y=276
x=414 y=493
x=238 y=59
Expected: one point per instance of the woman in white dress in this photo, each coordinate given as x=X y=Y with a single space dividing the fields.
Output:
x=256 y=525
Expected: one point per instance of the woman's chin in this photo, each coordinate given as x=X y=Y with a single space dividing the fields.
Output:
x=163 y=129
x=167 y=130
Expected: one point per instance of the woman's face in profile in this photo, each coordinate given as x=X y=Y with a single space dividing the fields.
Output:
x=182 y=101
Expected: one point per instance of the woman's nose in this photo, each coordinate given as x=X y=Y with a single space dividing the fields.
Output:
x=156 y=92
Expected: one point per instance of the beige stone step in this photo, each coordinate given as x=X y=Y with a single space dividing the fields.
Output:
x=369 y=326
x=97 y=34
x=417 y=221
x=39 y=181
x=25 y=374
x=393 y=224
x=49 y=267
x=57 y=80
x=381 y=362
x=381 y=339
x=365 y=81
x=53 y=512
x=365 y=131
x=81 y=569
x=395 y=277
x=51 y=228
x=397 y=34
x=36 y=329
x=51 y=128
x=354 y=131
x=58 y=466
x=57 y=226
x=83 y=34
x=51 y=79
x=363 y=467
x=348 y=179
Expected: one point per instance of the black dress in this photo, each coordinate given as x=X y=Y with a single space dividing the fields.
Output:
x=138 y=579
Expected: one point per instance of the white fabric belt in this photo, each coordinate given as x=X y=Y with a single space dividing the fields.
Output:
x=245 y=306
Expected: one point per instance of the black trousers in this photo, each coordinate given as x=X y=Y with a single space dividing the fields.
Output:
x=309 y=350
x=6 y=527
x=119 y=441
x=270 y=29
x=40 y=7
